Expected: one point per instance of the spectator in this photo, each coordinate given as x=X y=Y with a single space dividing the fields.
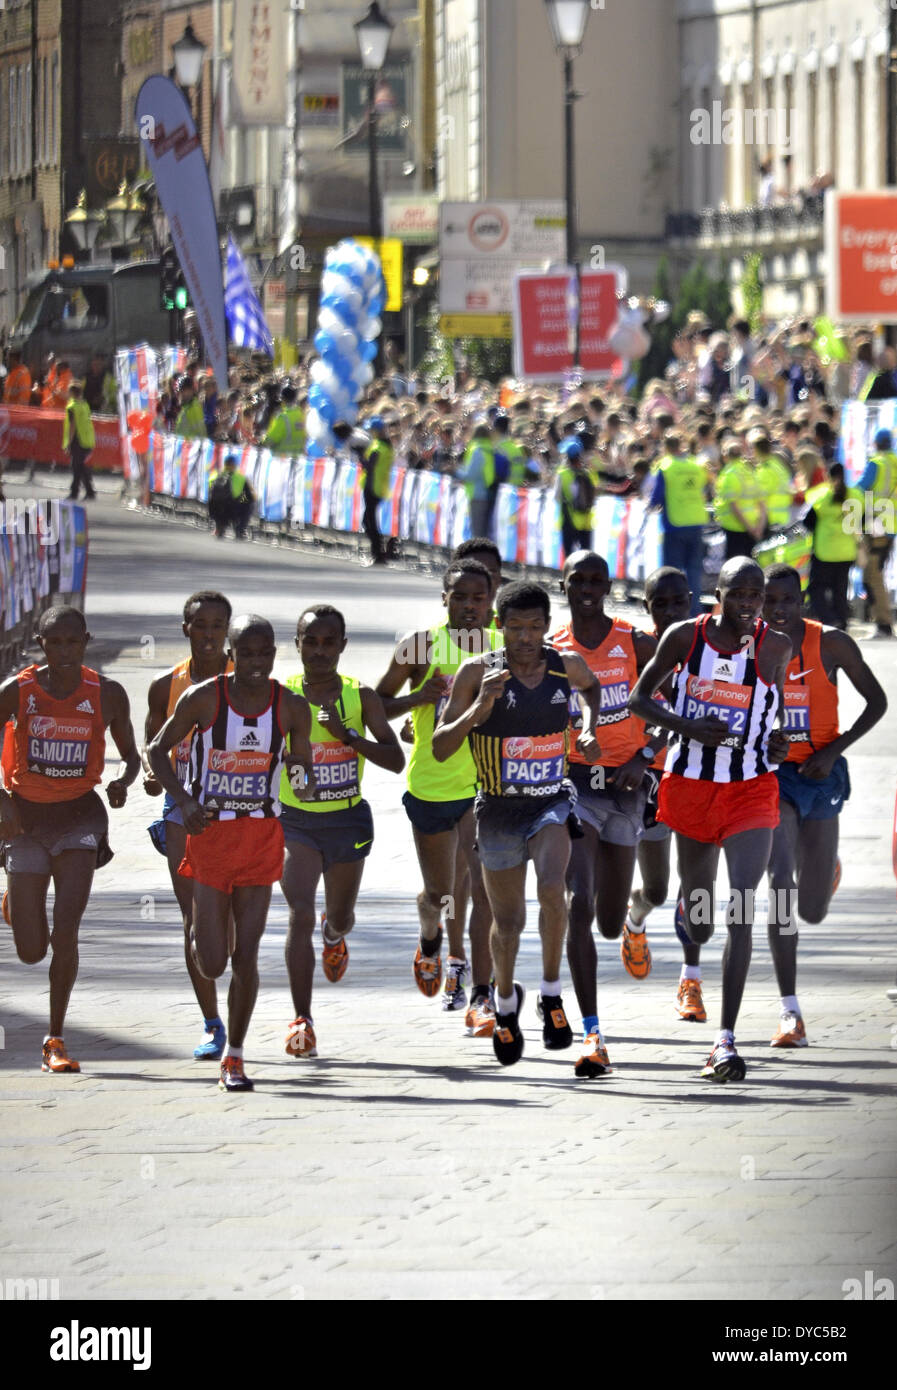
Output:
x=879 y=484
x=190 y=422
x=739 y=505
x=576 y=494
x=774 y=480
x=378 y=461
x=834 y=547
x=78 y=441
x=477 y=473
x=230 y=499
x=18 y=385
x=680 y=492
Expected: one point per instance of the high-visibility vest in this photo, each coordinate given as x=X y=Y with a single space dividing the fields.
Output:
x=884 y=490
x=580 y=520
x=380 y=455
x=775 y=482
x=837 y=524
x=684 y=481
x=191 y=423
x=18 y=386
x=78 y=424
x=488 y=475
x=286 y=433
x=738 y=483
x=237 y=482
x=517 y=457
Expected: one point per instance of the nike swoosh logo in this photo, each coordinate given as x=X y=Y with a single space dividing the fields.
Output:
x=836 y=801
x=363 y=843
x=800 y=675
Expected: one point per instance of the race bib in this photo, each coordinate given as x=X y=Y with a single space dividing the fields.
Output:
x=533 y=766
x=335 y=771
x=58 y=748
x=236 y=781
x=614 y=703
x=707 y=699
x=797 y=714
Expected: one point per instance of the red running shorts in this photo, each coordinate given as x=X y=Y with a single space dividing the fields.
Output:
x=242 y=853
x=711 y=812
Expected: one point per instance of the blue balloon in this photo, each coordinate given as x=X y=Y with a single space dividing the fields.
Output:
x=327 y=412
x=368 y=352
x=322 y=340
x=344 y=369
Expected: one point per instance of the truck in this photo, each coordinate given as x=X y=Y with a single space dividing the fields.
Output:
x=90 y=309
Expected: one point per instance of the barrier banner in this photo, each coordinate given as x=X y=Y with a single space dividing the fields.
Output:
x=72 y=549
x=860 y=422
x=34 y=435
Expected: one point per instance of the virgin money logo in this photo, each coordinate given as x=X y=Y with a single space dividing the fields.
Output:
x=702 y=690
x=42 y=726
x=318 y=753
x=519 y=748
x=219 y=761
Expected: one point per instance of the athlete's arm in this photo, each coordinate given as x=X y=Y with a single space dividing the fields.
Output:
x=474 y=692
x=10 y=822
x=405 y=666
x=841 y=653
x=583 y=679
x=117 y=718
x=196 y=706
x=383 y=749
x=672 y=651
x=157 y=713
x=295 y=719
x=777 y=647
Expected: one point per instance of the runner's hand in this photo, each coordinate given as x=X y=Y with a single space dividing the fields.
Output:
x=587 y=744
x=194 y=817
x=819 y=765
x=711 y=731
x=152 y=786
x=10 y=820
x=117 y=793
x=778 y=746
x=628 y=777
x=492 y=689
x=329 y=717
x=301 y=777
x=407 y=732
x=432 y=691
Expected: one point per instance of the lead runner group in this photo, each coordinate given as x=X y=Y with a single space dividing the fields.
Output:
x=582 y=747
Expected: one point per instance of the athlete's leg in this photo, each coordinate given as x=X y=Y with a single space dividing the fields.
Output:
x=582 y=955
x=437 y=855
x=653 y=858
x=302 y=870
x=697 y=872
x=550 y=853
x=747 y=858
x=615 y=865
x=175 y=849
x=460 y=898
x=209 y=938
x=28 y=913
x=480 y=910
x=506 y=890
x=782 y=929
x=341 y=885
x=73 y=872
x=817 y=857
x=250 y=915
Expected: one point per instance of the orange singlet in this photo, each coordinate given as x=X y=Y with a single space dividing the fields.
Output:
x=811 y=699
x=59 y=748
x=619 y=733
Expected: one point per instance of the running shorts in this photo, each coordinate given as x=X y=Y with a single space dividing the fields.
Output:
x=435 y=817
x=654 y=829
x=340 y=837
x=711 y=812
x=815 y=800
x=504 y=832
x=171 y=812
x=242 y=853
x=617 y=816
x=52 y=827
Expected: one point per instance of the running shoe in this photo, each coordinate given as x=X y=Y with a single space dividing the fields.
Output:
x=6 y=917
x=300 y=1040
x=635 y=952
x=479 y=1021
x=507 y=1039
x=428 y=969
x=213 y=1040
x=836 y=882
x=556 y=1031
x=454 y=995
x=55 y=1058
x=335 y=957
x=791 y=1032
x=233 y=1077
x=593 y=1060
x=690 y=1002
x=724 y=1064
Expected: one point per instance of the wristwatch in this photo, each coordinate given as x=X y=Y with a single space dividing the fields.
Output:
x=648 y=753
x=353 y=734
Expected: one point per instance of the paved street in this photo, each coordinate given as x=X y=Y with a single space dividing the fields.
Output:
x=405 y=1162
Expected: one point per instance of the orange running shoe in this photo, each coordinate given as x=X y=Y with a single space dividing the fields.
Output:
x=836 y=884
x=479 y=1021
x=55 y=1058
x=232 y=1076
x=300 y=1040
x=6 y=917
x=791 y=1032
x=690 y=1002
x=334 y=958
x=428 y=969
x=635 y=952
x=593 y=1060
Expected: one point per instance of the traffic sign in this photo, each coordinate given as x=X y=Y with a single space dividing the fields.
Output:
x=483 y=245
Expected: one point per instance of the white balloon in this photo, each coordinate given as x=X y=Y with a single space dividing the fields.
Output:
x=629 y=340
x=329 y=322
x=317 y=429
x=346 y=343
x=372 y=329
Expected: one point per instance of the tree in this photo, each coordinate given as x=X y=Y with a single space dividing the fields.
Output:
x=698 y=290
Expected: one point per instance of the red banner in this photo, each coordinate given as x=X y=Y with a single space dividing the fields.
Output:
x=542 y=309
x=36 y=436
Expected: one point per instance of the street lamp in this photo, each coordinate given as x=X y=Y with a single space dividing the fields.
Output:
x=188 y=55
x=124 y=212
x=84 y=224
x=373 y=34
x=568 y=20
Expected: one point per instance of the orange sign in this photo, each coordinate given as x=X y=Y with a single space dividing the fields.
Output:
x=861 y=251
x=36 y=435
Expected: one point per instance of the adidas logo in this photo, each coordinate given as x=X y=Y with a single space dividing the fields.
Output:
x=617 y=651
x=85 y=707
x=249 y=740
x=559 y=698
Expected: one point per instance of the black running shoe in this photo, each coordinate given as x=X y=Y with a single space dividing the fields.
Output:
x=556 y=1031
x=507 y=1039
x=724 y=1064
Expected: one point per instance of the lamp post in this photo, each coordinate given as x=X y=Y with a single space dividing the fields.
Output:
x=568 y=20
x=124 y=213
x=84 y=224
x=373 y=34
x=189 y=52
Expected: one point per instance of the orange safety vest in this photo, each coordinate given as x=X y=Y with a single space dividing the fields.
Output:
x=18 y=387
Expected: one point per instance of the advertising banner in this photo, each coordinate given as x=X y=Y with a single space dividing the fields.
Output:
x=542 y=324
x=861 y=256
x=36 y=435
x=259 y=80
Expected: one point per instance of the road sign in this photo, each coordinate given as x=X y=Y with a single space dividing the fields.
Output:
x=483 y=245
x=414 y=221
x=391 y=253
x=476 y=326
x=542 y=348
x=861 y=256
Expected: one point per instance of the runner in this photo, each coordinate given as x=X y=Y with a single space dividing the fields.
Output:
x=719 y=790
x=440 y=796
x=206 y=616
x=234 y=852
x=668 y=601
x=610 y=796
x=53 y=821
x=514 y=708
x=813 y=782
x=328 y=830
